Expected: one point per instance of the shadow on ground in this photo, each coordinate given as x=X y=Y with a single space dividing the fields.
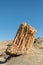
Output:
x=10 y=56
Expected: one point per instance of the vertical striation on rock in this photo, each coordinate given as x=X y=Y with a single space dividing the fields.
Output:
x=23 y=41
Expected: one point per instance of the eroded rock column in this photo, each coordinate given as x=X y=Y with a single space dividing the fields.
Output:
x=23 y=41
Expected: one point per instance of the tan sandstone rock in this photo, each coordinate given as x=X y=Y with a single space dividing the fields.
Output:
x=23 y=41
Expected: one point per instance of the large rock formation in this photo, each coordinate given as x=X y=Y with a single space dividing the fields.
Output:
x=23 y=41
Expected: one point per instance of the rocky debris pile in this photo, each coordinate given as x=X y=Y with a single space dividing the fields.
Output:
x=38 y=43
x=3 y=47
x=23 y=41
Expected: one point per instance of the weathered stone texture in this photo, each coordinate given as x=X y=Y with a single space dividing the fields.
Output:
x=23 y=41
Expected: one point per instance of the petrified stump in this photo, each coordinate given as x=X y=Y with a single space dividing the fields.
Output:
x=23 y=41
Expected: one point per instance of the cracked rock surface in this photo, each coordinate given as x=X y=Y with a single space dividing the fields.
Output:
x=23 y=42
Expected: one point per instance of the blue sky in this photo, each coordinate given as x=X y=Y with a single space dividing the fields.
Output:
x=14 y=12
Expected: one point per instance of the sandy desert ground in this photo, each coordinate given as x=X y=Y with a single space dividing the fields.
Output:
x=35 y=57
x=30 y=59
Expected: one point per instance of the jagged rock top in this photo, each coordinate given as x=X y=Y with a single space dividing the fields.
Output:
x=29 y=27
